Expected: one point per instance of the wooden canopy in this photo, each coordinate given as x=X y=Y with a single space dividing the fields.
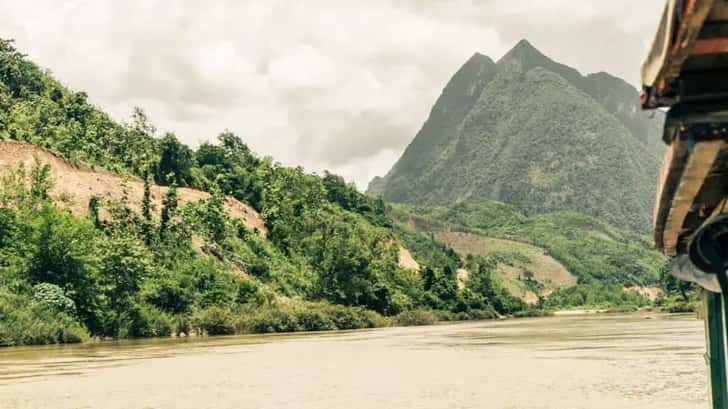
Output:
x=687 y=71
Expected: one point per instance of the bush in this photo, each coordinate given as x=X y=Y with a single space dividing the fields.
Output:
x=181 y=324
x=169 y=296
x=309 y=316
x=355 y=317
x=27 y=322
x=145 y=321
x=676 y=304
x=415 y=317
x=532 y=313
x=487 y=313
x=594 y=295
x=314 y=320
x=53 y=297
x=621 y=310
x=273 y=320
x=681 y=307
x=215 y=320
x=443 y=315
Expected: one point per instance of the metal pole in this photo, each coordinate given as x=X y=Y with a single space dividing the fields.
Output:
x=716 y=331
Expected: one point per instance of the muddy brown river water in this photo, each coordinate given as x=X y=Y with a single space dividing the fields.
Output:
x=639 y=360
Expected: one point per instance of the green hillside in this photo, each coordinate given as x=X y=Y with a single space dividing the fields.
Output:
x=589 y=249
x=535 y=134
x=330 y=259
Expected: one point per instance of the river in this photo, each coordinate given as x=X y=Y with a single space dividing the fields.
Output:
x=639 y=360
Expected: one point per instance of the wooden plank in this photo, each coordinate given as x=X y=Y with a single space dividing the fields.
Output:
x=694 y=15
x=698 y=166
x=710 y=46
x=672 y=168
x=660 y=201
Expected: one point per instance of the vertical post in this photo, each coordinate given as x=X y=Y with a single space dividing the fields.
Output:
x=716 y=331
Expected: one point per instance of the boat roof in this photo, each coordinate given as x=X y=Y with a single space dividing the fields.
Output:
x=687 y=72
x=688 y=60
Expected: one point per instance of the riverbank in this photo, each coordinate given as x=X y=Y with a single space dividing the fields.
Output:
x=281 y=316
x=295 y=316
x=566 y=313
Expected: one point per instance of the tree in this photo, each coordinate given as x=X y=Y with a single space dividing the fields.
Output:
x=175 y=162
x=147 y=213
x=428 y=278
x=139 y=149
x=62 y=255
x=21 y=77
x=169 y=210
x=93 y=210
x=124 y=265
x=208 y=217
x=40 y=181
x=445 y=288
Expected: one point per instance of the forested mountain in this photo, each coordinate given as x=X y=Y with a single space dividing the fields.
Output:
x=534 y=133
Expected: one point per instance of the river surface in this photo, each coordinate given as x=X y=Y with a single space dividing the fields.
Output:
x=592 y=361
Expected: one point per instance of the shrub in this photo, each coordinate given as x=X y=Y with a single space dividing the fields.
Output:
x=314 y=320
x=143 y=322
x=169 y=296
x=681 y=307
x=53 y=297
x=181 y=324
x=532 y=312
x=215 y=320
x=486 y=313
x=443 y=315
x=272 y=320
x=621 y=309
x=355 y=317
x=415 y=317
x=309 y=316
x=24 y=321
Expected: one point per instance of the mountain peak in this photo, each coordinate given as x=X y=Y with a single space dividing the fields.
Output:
x=524 y=45
x=478 y=56
x=526 y=53
x=478 y=59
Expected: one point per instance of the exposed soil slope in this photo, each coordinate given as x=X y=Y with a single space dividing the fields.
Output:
x=545 y=269
x=75 y=184
x=406 y=261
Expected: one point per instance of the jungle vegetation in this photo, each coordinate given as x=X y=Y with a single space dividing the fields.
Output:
x=329 y=260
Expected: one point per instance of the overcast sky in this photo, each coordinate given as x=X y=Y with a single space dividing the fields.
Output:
x=339 y=85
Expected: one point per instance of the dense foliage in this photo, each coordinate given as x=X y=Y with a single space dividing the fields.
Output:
x=592 y=295
x=330 y=259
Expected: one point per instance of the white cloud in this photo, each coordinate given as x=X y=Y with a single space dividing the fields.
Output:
x=339 y=85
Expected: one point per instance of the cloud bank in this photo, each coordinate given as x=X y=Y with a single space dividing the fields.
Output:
x=338 y=85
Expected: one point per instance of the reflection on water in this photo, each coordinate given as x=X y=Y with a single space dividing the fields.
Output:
x=595 y=361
